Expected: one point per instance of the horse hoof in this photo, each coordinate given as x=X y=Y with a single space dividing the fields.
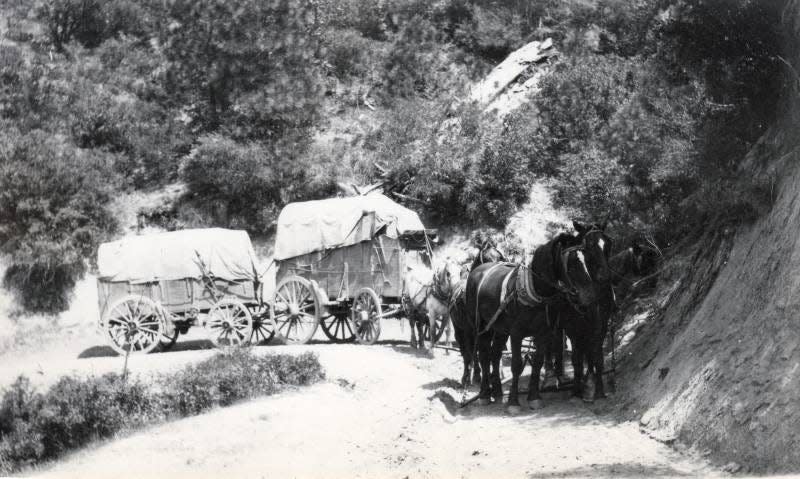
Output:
x=484 y=401
x=536 y=404
x=514 y=409
x=588 y=400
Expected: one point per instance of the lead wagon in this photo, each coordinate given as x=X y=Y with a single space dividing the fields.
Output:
x=341 y=263
x=152 y=288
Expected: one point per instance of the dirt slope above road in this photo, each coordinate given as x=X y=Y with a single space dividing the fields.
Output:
x=719 y=368
x=383 y=412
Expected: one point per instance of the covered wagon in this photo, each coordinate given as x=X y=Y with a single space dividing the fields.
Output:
x=341 y=263
x=151 y=288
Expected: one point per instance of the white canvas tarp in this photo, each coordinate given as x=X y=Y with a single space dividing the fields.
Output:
x=227 y=254
x=311 y=226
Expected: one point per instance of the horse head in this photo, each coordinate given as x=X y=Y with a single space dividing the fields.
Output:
x=646 y=254
x=488 y=253
x=446 y=277
x=597 y=246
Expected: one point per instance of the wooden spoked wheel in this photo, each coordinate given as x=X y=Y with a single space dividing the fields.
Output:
x=263 y=329
x=295 y=310
x=439 y=326
x=169 y=337
x=366 y=316
x=134 y=325
x=229 y=323
x=338 y=328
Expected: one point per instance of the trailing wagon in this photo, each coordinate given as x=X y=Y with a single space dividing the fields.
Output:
x=154 y=287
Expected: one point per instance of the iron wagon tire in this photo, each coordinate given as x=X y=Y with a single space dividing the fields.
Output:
x=134 y=325
x=338 y=328
x=295 y=310
x=229 y=323
x=365 y=315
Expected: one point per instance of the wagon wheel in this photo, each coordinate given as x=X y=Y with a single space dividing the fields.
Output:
x=169 y=337
x=441 y=323
x=134 y=324
x=229 y=323
x=366 y=316
x=295 y=310
x=338 y=328
x=263 y=330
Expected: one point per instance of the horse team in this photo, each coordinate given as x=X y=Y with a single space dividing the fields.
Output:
x=567 y=288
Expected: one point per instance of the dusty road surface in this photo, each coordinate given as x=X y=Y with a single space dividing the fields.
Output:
x=383 y=411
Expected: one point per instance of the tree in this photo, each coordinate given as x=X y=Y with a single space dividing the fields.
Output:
x=53 y=214
x=248 y=67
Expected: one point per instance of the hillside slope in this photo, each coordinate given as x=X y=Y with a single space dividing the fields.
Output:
x=721 y=370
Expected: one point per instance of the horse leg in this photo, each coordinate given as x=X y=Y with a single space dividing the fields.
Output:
x=577 y=368
x=498 y=345
x=534 y=397
x=560 y=344
x=599 y=367
x=466 y=354
x=517 y=367
x=412 y=324
x=420 y=333
x=476 y=368
x=550 y=357
x=484 y=343
x=589 y=381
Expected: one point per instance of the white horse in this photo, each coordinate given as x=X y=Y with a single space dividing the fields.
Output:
x=426 y=298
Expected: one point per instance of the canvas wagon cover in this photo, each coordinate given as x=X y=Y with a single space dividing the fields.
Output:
x=227 y=254
x=310 y=226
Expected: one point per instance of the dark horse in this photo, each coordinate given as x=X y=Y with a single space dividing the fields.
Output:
x=588 y=327
x=463 y=329
x=564 y=269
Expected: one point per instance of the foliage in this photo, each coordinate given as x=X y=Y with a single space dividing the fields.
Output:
x=253 y=73
x=350 y=54
x=414 y=63
x=53 y=201
x=248 y=183
x=35 y=426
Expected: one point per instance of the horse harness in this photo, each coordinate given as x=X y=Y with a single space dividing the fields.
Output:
x=434 y=289
x=521 y=289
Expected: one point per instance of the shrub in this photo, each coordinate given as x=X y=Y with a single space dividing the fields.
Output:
x=496 y=186
x=350 y=54
x=81 y=20
x=249 y=183
x=147 y=140
x=53 y=201
x=257 y=69
x=35 y=427
x=413 y=65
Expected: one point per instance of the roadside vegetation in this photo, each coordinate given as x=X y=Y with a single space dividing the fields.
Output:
x=644 y=120
x=41 y=426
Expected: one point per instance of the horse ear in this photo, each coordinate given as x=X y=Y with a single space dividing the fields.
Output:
x=580 y=228
x=603 y=225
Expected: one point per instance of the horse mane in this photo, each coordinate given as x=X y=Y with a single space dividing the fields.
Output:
x=547 y=259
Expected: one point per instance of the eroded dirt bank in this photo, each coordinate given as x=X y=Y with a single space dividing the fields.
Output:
x=721 y=371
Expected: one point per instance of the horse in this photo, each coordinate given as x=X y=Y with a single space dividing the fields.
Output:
x=515 y=301
x=639 y=259
x=426 y=297
x=488 y=253
x=463 y=329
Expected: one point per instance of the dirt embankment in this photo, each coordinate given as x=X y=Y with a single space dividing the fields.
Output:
x=719 y=367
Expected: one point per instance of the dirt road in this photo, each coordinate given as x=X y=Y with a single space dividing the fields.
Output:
x=383 y=411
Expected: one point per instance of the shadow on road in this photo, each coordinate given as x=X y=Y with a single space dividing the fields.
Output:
x=618 y=469
x=188 y=345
